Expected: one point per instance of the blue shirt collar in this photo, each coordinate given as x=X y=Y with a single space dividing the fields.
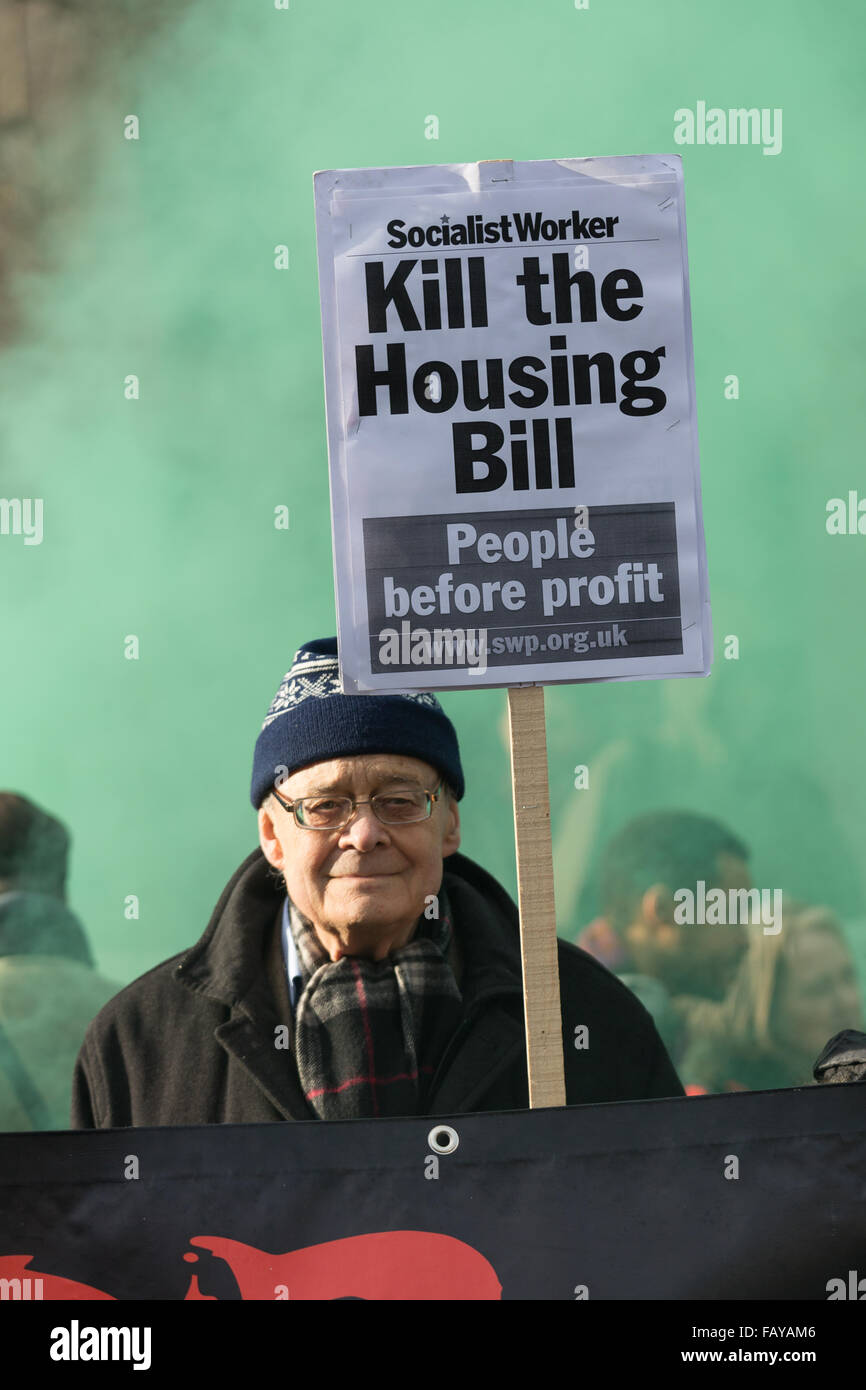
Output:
x=290 y=958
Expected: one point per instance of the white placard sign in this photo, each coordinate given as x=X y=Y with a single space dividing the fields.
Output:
x=511 y=423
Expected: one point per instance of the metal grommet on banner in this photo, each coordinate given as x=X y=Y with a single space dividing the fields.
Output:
x=443 y=1139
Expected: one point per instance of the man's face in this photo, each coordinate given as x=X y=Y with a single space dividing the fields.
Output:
x=362 y=887
x=701 y=958
x=711 y=953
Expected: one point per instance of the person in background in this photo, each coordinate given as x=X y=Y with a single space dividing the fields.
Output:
x=793 y=991
x=49 y=989
x=637 y=936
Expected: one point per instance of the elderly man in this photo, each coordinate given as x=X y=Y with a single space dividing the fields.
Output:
x=346 y=972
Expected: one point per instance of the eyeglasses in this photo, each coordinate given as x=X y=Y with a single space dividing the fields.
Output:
x=404 y=806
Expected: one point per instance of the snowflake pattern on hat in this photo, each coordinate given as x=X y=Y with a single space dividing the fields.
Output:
x=316 y=676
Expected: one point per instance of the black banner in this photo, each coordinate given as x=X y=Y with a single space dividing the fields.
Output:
x=752 y=1196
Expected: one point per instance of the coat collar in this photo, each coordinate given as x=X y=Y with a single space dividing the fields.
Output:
x=228 y=961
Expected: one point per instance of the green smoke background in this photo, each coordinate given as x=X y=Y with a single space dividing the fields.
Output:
x=156 y=257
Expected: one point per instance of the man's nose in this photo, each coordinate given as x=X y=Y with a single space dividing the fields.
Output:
x=364 y=831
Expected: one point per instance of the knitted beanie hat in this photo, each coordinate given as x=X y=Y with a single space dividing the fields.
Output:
x=311 y=721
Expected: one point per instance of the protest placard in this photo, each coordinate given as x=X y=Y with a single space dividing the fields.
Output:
x=511 y=423
x=513 y=455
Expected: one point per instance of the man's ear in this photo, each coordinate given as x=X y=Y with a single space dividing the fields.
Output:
x=271 y=847
x=451 y=838
x=657 y=906
x=653 y=927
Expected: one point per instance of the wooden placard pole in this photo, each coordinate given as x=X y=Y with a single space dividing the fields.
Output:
x=538 y=946
x=538 y=949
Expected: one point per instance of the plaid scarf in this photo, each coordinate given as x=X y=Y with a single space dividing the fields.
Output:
x=369 y=1034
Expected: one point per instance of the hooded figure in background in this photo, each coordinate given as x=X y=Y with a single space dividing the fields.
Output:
x=356 y=965
x=49 y=989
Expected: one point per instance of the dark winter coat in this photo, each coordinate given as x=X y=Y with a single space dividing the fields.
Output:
x=194 y=1041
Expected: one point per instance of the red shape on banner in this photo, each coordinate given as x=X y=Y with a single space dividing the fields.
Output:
x=37 y=1287
x=381 y=1266
x=195 y=1295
